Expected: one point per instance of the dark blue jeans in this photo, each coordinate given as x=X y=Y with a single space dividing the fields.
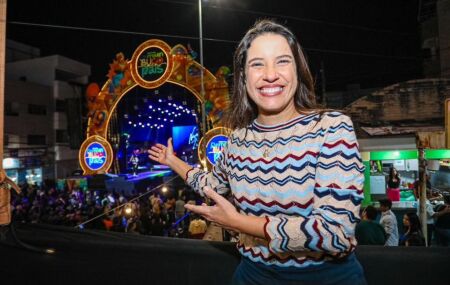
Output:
x=344 y=272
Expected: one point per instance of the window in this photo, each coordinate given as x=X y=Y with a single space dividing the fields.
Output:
x=62 y=136
x=37 y=109
x=11 y=108
x=60 y=105
x=36 y=140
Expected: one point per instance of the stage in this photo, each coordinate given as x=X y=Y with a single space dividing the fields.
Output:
x=128 y=183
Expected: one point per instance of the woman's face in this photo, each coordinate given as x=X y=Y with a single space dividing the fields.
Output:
x=271 y=74
x=405 y=221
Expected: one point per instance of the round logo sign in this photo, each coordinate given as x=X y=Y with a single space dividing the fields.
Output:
x=151 y=64
x=95 y=156
x=214 y=147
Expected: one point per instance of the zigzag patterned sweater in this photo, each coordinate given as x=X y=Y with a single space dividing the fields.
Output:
x=305 y=176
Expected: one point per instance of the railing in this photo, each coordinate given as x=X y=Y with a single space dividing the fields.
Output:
x=99 y=257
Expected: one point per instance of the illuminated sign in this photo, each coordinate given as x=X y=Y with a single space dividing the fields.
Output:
x=151 y=64
x=95 y=156
x=215 y=147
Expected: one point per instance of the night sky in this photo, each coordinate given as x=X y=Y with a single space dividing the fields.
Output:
x=374 y=43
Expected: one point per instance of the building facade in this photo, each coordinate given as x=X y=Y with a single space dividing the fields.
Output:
x=43 y=109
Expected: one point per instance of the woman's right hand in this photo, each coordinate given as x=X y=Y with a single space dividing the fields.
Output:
x=161 y=153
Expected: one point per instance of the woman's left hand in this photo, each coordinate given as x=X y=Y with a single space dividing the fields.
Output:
x=222 y=213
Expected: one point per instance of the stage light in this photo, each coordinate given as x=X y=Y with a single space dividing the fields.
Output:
x=150 y=107
x=165 y=119
x=170 y=104
x=162 y=126
x=171 y=121
x=159 y=100
x=148 y=124
x=159 y=118
x=164 y=189
x=130 y=122
x=149 y=117
x=143 y=126
x=134 y=125
x=159 y=109
x=140 y=123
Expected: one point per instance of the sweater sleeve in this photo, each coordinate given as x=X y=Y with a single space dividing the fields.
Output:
x=338 y=193
x=217 y=178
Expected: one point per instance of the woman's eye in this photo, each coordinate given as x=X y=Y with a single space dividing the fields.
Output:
x=284 y=61
x=256 y=64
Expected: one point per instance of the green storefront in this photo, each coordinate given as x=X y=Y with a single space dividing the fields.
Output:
x=408 y=158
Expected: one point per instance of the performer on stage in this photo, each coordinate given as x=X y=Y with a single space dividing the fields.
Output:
x=134 y=160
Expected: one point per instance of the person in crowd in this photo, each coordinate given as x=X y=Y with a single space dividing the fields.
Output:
x=431 y=216
x=442 y=225
x=389 y=222
x=413 y=234
x=197 y=227
x=393 y=185
x=294 y=170
x=368 y=231
x=179 y=207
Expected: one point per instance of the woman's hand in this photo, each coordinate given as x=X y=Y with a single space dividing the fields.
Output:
x=222 y=213
x=161 y=153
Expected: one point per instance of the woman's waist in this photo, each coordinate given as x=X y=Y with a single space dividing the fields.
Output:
x=258 y=247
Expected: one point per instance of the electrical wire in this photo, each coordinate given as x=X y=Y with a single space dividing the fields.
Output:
x=300 y=19
x=205 y=39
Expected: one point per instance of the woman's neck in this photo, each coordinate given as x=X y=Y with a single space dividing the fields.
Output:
x=278 y=118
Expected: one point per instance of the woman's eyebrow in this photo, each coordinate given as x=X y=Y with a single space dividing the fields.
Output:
x=284 y=55
x=254 y=59
x=278 y=57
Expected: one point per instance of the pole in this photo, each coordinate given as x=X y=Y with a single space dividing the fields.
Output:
x=324 y=92
x=423 y=192
x=202 y=86
x=2 y=70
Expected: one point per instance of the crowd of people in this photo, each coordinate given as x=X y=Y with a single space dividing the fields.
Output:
x=385 y=231
x=154 y=214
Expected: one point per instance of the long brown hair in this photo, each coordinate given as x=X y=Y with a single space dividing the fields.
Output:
x=243 y=110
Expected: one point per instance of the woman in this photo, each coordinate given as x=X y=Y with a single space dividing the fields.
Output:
x=294 y=170
x=413 y=235
x=393 y=190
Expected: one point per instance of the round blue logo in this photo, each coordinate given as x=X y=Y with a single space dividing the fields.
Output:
x=95 y=156
x=215 y=147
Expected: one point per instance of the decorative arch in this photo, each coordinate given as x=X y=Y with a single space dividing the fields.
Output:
x=153 y=63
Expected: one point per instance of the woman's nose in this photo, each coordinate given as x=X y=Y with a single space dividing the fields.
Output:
x=270 y=73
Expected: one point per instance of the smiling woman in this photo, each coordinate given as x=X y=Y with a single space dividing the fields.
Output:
x=293 y=169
